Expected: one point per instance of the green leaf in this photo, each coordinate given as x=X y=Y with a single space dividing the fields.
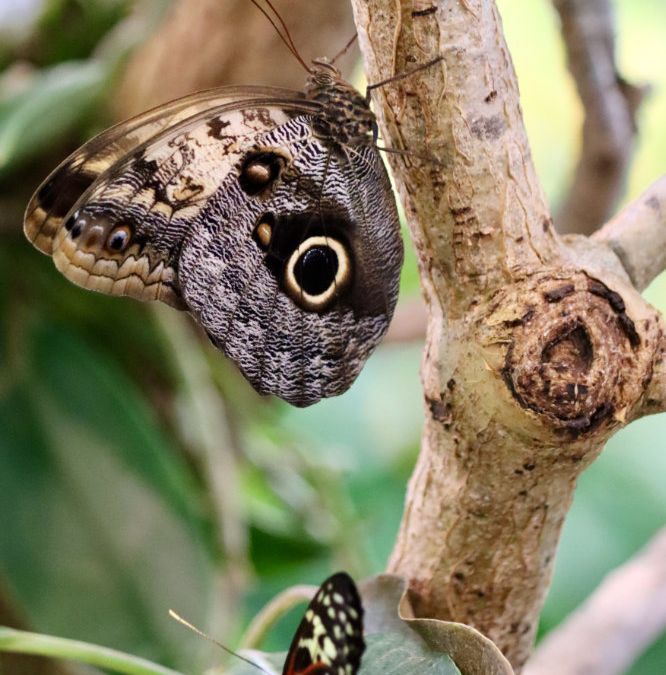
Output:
x=385 y=653
x=392 y=654
x=56 y=100
x=23 y=642
x=388 y=608
x=95 y=504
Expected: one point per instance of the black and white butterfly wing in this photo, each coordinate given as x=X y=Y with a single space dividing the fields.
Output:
x=284 y=245
x=329 y=639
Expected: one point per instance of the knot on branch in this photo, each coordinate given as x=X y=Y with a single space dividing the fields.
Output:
x=574 y=353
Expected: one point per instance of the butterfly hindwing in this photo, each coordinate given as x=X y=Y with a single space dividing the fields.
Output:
x=329 y=639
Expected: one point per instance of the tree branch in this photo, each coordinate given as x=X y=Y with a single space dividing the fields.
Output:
x=637 y=235
x=536 y=353
x=615 y=625
x=610 y=104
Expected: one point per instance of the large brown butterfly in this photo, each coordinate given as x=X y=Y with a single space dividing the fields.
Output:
x=266 y=213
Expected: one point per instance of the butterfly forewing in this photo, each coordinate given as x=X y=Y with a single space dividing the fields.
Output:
x=68 y=182
x=329 y=639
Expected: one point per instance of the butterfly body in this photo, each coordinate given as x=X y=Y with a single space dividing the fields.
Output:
x=265 y=213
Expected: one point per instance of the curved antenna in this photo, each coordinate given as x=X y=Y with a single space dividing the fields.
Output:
x=286 y=36
x=344 y=49
x=187 y=624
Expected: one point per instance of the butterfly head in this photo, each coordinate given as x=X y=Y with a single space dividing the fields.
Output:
x=345 y=117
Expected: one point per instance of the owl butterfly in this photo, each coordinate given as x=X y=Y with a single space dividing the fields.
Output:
x=266 y=213
x=329 y=638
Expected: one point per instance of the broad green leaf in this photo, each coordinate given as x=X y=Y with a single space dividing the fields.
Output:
x=55 y=101
x=388 y=608
x=385 y=653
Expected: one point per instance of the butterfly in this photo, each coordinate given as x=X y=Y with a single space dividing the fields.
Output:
x=265 y=213
x=329 y=639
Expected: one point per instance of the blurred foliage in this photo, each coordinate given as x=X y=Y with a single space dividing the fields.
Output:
x=138 y=470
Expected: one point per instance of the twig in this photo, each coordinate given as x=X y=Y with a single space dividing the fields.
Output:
x=615 y=625
x=637 y=235
x=610 y=105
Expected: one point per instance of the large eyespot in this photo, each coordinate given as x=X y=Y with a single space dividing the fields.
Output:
x=119 y=239
x=259 y=172
x=317 y=272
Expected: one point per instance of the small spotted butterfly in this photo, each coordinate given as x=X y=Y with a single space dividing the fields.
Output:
x=329 y=639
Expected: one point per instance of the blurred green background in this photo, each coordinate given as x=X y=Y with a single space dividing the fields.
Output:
x=138 y=470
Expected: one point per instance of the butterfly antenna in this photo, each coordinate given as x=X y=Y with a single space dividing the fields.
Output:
x=343 y=51
x=284 y=36
x=187 y=624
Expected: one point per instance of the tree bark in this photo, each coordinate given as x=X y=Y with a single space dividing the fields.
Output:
x=538 y=347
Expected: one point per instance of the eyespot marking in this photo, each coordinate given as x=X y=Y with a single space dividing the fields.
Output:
x=259 y=172
x=119 y=239
x=263 y=230
x=317 y=272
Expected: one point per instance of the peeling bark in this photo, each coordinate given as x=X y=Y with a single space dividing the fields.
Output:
x=538 y=347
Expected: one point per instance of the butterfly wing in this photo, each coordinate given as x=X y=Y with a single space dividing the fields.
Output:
x=329 y=639
x=285 y=248
x=59 y=192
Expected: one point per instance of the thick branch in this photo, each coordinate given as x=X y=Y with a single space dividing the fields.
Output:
x=610 y=105
x=637 y=235
x=535 y=352
x=615 y=625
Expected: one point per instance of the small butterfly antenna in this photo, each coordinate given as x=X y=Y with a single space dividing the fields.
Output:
x=401 y=76
x=284 y=36
x=187 y=624
x=343 y=51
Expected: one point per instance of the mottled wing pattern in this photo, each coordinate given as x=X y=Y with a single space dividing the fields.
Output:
x=243 y=207
x=68 y=182
x=329 y=639
x=114 y=177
